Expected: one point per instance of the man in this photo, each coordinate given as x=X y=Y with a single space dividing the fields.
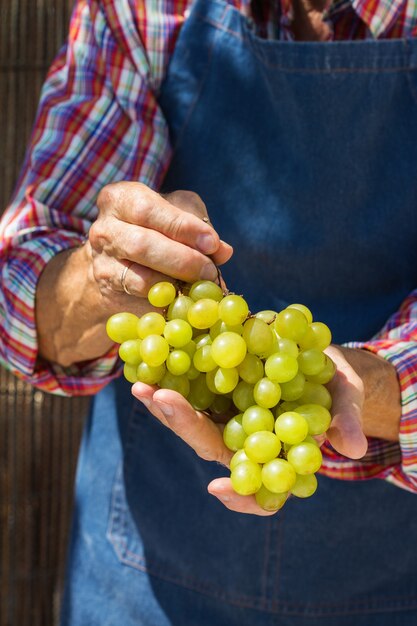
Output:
x=301 y=153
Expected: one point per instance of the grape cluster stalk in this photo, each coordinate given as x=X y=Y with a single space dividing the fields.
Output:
x=267 y=370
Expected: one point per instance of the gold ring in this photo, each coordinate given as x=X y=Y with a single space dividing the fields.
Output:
x=123 y=278
x=206 y=220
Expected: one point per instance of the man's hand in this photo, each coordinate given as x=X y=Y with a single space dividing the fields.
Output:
x=365 y=401
x=366 y=396
x=157 y=237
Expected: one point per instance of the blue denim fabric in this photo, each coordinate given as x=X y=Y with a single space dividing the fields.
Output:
x=305 y=154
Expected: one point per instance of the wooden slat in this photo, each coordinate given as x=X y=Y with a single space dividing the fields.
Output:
x=39 y=434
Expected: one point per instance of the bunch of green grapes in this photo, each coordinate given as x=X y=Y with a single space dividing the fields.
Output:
x=267 y=370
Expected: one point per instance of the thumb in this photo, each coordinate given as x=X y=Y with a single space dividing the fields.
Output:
x=345 y=433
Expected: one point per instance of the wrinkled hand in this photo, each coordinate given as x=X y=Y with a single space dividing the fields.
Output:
x=205 y=437
x=159 y=237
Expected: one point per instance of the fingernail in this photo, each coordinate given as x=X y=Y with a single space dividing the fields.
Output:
x=208 y=272
x=146 y=402
x=166 y=409
x=206 y=243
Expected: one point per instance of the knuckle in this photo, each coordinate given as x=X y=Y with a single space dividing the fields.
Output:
x=95 y=236
x=142 y=204
x=108 y=196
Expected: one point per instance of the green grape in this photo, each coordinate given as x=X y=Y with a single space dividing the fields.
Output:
x=246 y=478
x=181 y=384
x=310 y=439
x=311 y=361
x=286 y=406
x=202 y=340
x=257 y=335
x=129 y=351
x=291 y=324
x=267 y=316
x=200 y=397
x=306 y=458
x=151 y=324
x=130 y=372
x=178 y=333
x=150 y=375
x=316 y=394
x=238 y=457
x=234 y=436
x=210 y=381
x=225 y=380
x=291 y=427
x=303 y=309
x=193 y=372
x=317 y=417
x=281 y=367
x=288 y=346
x=293 y=389
x=203 y=359
x=205 y=289
x=233 y=310
x=122 y=326
x=243 y=396
x=317 y=336
x=274 y=347
x=228 y=350
x=270 y=501
x=262 y=446
x=257 y=418
x=154 y=350
x=326 y=374
x=178 y=309
x=203 y=313
x=304 y=486
x=278 y=476
x=178 y=362
x=220 y=405
x=251 y=369
x=161 y=294
x=222 y=327
x=267 y=393
x=189 y=348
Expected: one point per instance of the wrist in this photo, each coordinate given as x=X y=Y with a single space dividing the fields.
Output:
x=70 y=310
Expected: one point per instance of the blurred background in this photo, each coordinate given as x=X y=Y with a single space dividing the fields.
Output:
x=39 y=433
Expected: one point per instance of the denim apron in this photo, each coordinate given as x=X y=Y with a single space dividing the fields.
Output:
x=306 y=156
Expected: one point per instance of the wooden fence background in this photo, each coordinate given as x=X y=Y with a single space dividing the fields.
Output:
x=39 y=433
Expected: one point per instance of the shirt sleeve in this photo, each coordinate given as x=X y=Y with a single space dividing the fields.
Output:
x=98 y=122
x=394 y=462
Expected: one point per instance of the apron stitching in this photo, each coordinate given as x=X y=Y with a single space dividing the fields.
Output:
x=195 y=100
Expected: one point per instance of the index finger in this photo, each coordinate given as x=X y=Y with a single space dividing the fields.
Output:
x=137 y=204
x=194 y=427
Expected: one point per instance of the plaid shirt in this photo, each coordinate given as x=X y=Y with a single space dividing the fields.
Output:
x=99 y=122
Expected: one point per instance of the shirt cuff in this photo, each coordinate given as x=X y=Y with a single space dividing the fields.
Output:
x=391 y=461
x=19 y=350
